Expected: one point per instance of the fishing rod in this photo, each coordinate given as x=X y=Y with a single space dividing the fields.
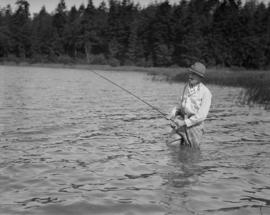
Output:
x=145 y=102
x=137 y=97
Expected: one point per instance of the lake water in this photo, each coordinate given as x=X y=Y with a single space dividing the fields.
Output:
x=72 y=143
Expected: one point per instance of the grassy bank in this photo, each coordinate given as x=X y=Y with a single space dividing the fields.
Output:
x=256 y=83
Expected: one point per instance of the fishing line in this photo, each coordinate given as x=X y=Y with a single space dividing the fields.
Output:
x=127 y=91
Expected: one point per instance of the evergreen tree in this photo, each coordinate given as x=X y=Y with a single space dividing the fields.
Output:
x=223 y=33
x=267 y=36
x=59 y=22
x=101 y=20
x=43 y=35
x=88 y=33
x=5 y=15
x=71 y=32
x=178 y=17
x=216 y=32
x=196 y=32
x=161 y=35
x=146 y=17
x=20 y=29
x=120 y=19
x=131 y=55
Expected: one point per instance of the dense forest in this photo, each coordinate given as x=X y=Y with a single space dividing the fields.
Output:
x=216 y=32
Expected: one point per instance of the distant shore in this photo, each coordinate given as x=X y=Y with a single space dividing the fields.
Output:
x=152 y=70
x=256 y=82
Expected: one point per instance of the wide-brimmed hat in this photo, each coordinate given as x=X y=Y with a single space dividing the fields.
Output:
x=198 y=68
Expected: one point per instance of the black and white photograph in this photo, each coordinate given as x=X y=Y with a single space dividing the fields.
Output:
x=134 y=107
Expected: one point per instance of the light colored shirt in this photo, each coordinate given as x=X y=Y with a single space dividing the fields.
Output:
x=195 y=102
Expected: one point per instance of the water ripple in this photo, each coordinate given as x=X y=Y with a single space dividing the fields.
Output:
x=73 y=144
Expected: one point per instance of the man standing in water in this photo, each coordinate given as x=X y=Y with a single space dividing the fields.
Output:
x=193 y=108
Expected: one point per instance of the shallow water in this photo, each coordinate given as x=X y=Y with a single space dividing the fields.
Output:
x=72 y=143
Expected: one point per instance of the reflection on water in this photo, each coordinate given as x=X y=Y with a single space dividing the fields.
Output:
x=72 y=143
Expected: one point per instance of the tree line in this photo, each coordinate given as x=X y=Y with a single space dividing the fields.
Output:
x=120 y=32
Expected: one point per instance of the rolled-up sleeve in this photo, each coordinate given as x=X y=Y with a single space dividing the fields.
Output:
x=202 y=112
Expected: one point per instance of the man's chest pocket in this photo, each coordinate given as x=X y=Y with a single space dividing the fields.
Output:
x=196 y=100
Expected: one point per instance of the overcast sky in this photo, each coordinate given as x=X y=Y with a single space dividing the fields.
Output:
x=35 y=5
